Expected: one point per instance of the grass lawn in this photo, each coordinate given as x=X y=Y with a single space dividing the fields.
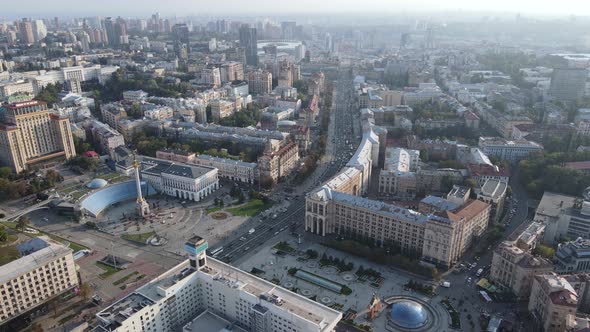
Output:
x=8 y=254
x=125 y=278
x=79 y=193
x=71 y=189
x=10 y=238
x=67 y=318
x=250 y=209
x=76 y=247
x=108 y=270
x=139 y=238
x=213 y=209
x=109 y=176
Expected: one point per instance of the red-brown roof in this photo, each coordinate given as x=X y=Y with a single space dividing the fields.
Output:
x=579 y=165
x=564 y=298
x=487 y=170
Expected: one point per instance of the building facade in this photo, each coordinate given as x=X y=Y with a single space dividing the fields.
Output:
x=45 y=270
x=512 y=151
x=276 y=163
x=176 y=300
x=260 y=82
x=563 y=216
x=573 y=257
x=221 y=109
x=553 y=303
x=31 y=135
x=514 y=269
x=439 y=238
x=179 y=180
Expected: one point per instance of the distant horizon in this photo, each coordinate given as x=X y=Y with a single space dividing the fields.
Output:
x=301 y=18
x=304 y=8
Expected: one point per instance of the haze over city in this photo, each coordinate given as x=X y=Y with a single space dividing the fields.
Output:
x=236 y=7
x=307 y=166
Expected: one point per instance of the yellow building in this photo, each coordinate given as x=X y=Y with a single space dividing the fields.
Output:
x=31 y=135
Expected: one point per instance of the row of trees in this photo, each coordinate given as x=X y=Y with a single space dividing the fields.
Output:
x=249 y=116
x=14 y=186
x=545 y=172
x=148 y=144
x=123 y=81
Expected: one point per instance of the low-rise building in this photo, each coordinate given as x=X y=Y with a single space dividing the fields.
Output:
x=159 y=113
x=459 y=194
x=179 y=180
x=482 y=173
x=233 y=170
x=573 y=257
x=531 y=236
x=509 y=150
x=563 y=216
x=128 y=128
x=135 y=96
x=493 y=192
x=44 y=271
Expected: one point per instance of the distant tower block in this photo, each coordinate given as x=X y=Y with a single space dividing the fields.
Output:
x=196 y=248
x=143 y=208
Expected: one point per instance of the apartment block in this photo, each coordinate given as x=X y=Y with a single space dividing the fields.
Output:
x=45 y=270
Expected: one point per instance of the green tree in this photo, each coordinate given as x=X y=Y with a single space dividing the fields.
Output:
x=22 y=223
x=84 y=291
x=3 y=234
x=5 y=172
x=544 y=251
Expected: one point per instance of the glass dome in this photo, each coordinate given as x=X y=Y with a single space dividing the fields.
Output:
x=97 y=183
x=408 y=314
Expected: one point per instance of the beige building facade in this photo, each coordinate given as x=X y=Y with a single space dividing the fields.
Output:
x=31 y=135
x=437 y=238
x=45 y=270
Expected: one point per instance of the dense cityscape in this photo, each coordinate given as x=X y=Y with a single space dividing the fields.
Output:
x=303 y=171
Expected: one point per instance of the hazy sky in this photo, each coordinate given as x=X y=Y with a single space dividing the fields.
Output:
x=12 y=8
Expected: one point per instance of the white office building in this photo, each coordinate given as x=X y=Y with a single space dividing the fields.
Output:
x=203 y=294
x=179 y=180
x=233 y=170
x=510 y=150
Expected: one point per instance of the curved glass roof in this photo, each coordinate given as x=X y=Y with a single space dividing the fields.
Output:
x=408 y=314
x=100 y=200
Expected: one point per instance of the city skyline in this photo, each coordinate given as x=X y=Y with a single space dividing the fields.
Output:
x=239 y=8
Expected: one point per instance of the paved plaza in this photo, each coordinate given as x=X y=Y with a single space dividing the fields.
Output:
x=276 y=268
